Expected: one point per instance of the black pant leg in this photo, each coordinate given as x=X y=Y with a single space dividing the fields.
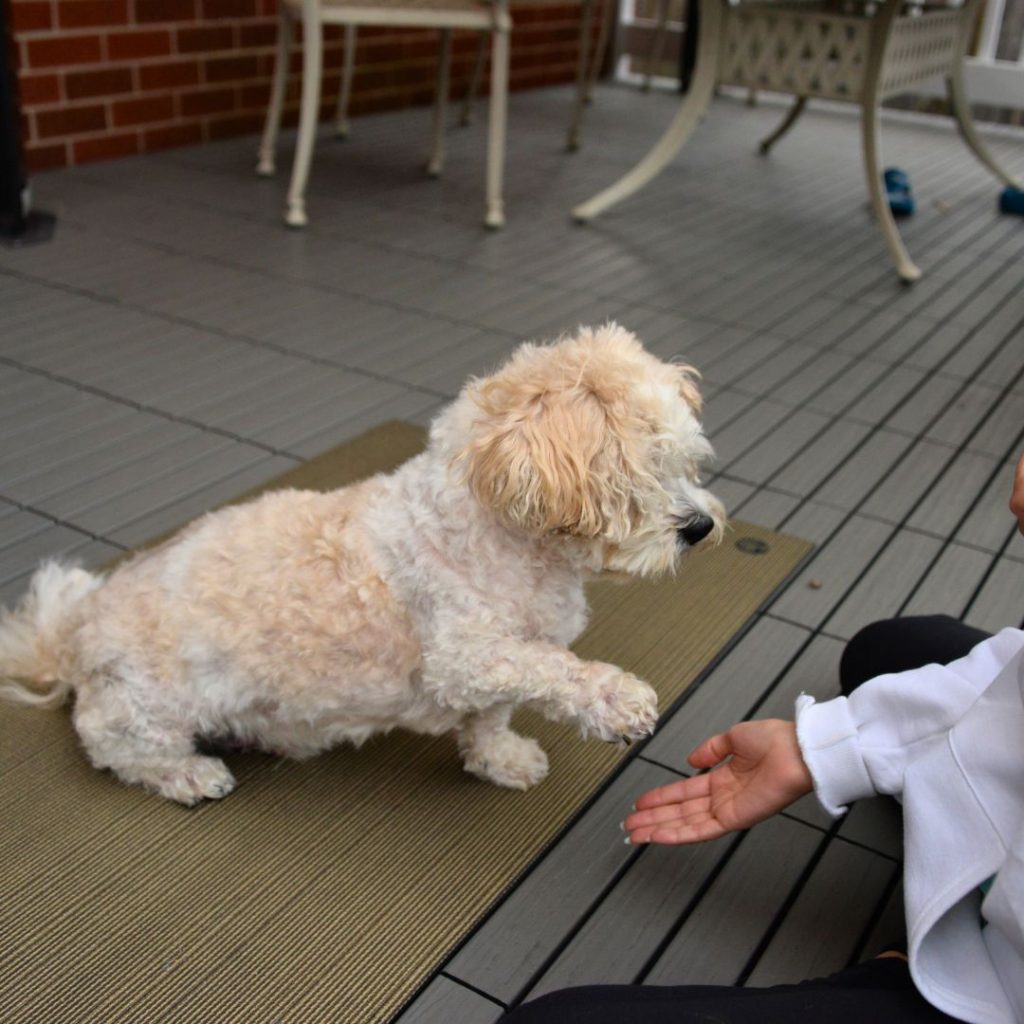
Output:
x=879 y=990
x=895 y=645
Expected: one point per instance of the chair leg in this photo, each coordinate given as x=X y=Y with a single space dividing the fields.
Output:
x=692 y=109
x=658 y=45
x=444 y=64
x=341 y=123
x=905 y=266
x=312 y=66
x=788 y=121
x=272 y=125
x=962 y=114
x=582 y=66
x=495 y=215
x=473 y=89
x=608 y=12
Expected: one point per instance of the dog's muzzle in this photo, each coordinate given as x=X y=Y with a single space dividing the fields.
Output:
x=696 y=529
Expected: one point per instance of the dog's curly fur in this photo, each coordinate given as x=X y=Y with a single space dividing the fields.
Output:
x=436 y=598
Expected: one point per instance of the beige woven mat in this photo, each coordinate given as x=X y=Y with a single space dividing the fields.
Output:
x=321 y=891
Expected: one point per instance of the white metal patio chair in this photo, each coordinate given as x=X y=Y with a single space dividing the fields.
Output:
x=489 y=16
x=588 y=65
x=653 y=58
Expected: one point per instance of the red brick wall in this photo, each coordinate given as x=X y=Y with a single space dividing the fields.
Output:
x=108 y=78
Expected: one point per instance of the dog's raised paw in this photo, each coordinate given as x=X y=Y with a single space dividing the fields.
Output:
x=621 y=708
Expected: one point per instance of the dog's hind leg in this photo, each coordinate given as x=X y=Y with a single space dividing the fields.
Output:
x=492 y=751
x=147 y=746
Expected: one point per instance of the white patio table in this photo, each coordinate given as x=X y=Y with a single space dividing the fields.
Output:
x=854 y=51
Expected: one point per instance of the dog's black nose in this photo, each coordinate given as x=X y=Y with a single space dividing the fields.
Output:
x=696 y=529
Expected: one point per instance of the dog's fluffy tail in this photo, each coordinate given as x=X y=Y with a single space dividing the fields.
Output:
x=34 y=637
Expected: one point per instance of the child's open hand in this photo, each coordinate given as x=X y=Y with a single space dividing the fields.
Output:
x=759 y=772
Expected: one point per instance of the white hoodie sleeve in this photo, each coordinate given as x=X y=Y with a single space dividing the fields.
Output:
x=859 y=746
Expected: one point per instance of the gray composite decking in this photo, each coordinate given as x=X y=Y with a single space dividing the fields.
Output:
x=175 y=345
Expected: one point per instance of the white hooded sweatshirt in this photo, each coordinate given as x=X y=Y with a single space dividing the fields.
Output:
x=948 y=741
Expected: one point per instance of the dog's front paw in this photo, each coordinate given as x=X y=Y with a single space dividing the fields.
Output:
x=619 y=706
x=508 y=759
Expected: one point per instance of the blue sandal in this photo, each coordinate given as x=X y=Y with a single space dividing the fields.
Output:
x=897 y=187
x=1011 y=200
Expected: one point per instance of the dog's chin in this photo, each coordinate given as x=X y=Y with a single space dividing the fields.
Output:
x=649 y=561
x=650 y=558
x=616 y=576
x=654 y=559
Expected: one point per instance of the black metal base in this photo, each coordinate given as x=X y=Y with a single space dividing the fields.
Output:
x=36 y=227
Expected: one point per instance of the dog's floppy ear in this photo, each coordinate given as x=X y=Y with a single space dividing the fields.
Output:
x=549 y=460
x=688 y=376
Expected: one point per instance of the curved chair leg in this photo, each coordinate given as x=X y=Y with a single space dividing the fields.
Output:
x=444 y=64
x=495 y=215
x=658 y=45
x=962 y=114
x=466 y=116
x=341 y=123
x=905 y=266
x=582 y=66
x=608 y=11
x=683 y=124
x=788 y=121
x=312 y=65
x=274 y=108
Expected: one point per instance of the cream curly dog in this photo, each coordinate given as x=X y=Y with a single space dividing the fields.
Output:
x=439 y=597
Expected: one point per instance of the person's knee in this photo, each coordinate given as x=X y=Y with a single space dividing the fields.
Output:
x=895 y=645
x=545 y=1009
x=863 y=653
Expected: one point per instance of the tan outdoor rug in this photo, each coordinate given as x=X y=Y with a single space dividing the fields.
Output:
x=322 y=891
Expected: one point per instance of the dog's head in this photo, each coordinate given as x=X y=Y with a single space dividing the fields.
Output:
x=595 y=441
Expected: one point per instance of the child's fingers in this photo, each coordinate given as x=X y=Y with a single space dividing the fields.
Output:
x=711 y=752
x=691 y=828
x=667 y=812
x=673 y=793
